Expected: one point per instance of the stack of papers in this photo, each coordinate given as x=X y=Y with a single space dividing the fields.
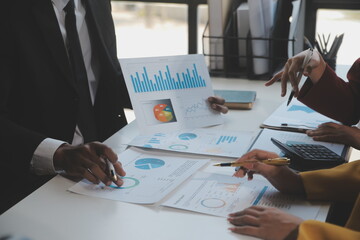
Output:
x=151 y=176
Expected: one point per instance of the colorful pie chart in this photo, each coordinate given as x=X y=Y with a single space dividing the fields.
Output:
x=163 y=112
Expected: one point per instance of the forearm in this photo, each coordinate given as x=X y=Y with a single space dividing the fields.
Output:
x=287 y=181
x=315 y=73
x=334 y=97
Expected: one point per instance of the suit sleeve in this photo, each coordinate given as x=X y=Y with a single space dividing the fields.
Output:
x=111 y=43
x=312 y=229
x=12 y=136
x=334 y=97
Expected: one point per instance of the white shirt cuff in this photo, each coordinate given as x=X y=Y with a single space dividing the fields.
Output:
x=42 y=161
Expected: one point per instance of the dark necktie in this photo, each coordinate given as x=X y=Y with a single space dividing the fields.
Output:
x=85 y=118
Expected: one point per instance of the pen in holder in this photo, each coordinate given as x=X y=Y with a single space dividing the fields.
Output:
x=329 y=53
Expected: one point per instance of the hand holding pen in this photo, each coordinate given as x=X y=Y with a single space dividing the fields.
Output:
x=252 y=162
x=308 y=63
x=111 y=170
x=280 y=176
x=88 y=161
x=112 y=173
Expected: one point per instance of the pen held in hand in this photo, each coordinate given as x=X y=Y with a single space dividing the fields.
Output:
x=110 y=170
x=304 y=63
x=272 y=161
x=290 y=97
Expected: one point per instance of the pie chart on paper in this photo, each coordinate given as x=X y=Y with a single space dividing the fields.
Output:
x=187 y=136
x=149 y=163
x=163 y=113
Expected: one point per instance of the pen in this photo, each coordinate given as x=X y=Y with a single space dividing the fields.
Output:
x=297 y=125
x=305 y=61
x=271 y=161
x=111 y=170
x=290 y=97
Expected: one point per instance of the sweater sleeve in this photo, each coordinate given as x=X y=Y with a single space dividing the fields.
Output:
x=312 y=229
x=341 y=183
x=334 y=97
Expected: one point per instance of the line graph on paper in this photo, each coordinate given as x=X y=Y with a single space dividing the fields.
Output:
x=197 y=109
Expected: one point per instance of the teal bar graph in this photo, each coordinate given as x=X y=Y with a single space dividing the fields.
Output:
x=226 y=139
x=164 y=81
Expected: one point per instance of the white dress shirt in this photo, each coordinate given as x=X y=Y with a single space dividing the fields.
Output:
x=42 y=161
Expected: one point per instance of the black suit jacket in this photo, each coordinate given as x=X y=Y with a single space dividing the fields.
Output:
x=38 y=97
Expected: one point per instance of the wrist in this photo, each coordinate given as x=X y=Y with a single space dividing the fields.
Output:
x=293 y=234
x=318 y=71
x=59 y=155
x=299 y=186
x=293 y=185
x=354 y=138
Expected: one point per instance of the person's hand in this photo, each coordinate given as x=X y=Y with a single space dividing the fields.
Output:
x=281 y=177
x=86 y=161
x=336 y=133
x=251 y=168
x=264 y=222
x=217 y=103
x=314 y=70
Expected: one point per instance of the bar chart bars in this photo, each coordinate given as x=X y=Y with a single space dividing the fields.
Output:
x=226 y=139
x=165 y=80
x=154 y=140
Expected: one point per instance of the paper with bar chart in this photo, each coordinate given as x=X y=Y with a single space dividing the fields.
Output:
x=295 y=116
x=149 y=177
x=169 y=93
x=199 y=141
x=219 y=195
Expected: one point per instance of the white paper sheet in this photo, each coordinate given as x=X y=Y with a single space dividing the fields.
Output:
x=296 y=115
x=219 y=195
x=150 y=176
x=169 y=93
x=199 y=141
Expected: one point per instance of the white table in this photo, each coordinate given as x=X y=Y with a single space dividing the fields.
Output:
x=51 y=212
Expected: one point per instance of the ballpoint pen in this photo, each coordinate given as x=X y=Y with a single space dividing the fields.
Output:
x=305 y=61
x=272 y=161
x=111 y=170
x=297 y=125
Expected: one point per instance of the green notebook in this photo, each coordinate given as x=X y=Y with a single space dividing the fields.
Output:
x=237 y=99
